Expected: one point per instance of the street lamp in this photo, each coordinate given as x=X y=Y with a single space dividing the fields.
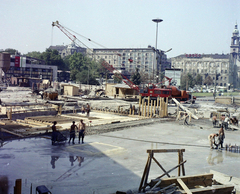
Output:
x=155 y=60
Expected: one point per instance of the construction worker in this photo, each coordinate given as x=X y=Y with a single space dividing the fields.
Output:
x=72 y=132
x=81 y=127
x=88 y=109
x=221 y=136
x=54 y=132
x=212 y=141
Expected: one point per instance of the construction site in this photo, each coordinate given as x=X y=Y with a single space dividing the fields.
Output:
x=132 y=145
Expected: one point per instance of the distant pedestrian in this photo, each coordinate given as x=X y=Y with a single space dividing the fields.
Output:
x=54 y=132
x=72 y=132
x=88 y=109
x=83 y=109
x=81 y=127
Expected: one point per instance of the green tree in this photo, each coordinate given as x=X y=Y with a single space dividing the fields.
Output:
x=208 y=81
x=11 y=51
x=144 y=77
x=187 y=81
x=117 y=78
x=34 y=54
x=198 y=79
x=136 y=77
x=83 y=69
x=52 y=57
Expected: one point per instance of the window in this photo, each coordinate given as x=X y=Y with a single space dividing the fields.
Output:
x=165 y=92
x=225 y=71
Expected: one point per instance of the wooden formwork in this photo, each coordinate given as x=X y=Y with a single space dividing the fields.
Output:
x=202 y=183
x=153 y=108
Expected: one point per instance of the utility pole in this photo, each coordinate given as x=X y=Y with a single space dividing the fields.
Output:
x=155 y=52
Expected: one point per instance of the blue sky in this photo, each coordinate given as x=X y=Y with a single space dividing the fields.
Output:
x=189 y=26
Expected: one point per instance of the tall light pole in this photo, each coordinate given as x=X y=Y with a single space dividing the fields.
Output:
x=155 y=60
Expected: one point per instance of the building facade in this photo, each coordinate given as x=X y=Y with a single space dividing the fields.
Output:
x=206 y=65
x=68 y=49
x=132 y=58
x=28 y=67
x=226 y=66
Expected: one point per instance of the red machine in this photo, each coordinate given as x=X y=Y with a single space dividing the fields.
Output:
x=151 y=90
x=166 y=91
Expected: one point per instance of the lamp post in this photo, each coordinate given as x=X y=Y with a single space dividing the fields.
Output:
x=155 y=60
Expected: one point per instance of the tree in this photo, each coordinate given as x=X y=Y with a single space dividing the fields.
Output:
x=208 y=81
x=52 y=57
x=144 y=77
x=117 y=78
x=34 y=54
x=198 y=79
x=11 y=51
x=136 y=77
x=187 y=81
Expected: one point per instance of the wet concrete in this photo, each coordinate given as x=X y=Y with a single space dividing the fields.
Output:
x=113 y=161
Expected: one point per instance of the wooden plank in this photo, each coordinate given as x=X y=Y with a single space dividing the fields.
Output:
x=172 y=169
x=185 y=188
x=216 y=189
x=165 y=150
x=10 y=132
x=191 y=181
x=184 y=108
x=226 y=179
x=161 y=167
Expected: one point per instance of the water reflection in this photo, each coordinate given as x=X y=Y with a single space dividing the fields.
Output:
x=53 y=160
x=72 y=160
x=215 y=157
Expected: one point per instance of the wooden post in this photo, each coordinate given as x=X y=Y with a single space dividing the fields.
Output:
x=18 y=186
x=160 y=108
x=157 y=102
x=145 y=107
x=139 y=107
x=154 y=107
x=142 y=106
x=148 y=106
x=166 y=107
x=151 y=110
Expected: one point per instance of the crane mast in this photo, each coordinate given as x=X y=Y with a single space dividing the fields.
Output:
x=66 y=32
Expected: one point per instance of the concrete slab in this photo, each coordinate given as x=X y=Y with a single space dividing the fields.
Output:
x=115 y=160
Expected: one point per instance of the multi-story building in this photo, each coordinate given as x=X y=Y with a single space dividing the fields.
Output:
x=224 y=65
x=28 y=67
x=132 y=58
x=68 y=49
x=206 y=65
